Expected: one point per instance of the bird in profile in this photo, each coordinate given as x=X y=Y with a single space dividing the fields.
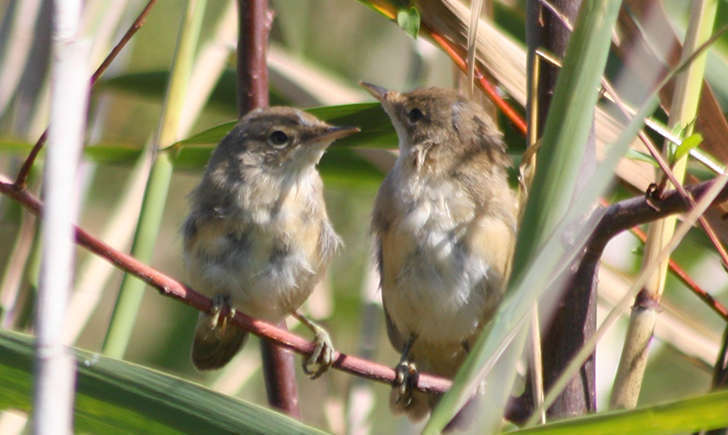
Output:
x=258 y=237
x=444 y=223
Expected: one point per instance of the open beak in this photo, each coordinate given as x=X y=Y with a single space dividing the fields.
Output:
x=332 y=133
x=378 y=92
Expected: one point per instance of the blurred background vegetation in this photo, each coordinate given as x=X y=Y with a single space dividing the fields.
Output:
x=336 y=44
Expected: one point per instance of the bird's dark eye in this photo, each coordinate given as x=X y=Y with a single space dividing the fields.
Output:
x=277 y=138
x=415 y=115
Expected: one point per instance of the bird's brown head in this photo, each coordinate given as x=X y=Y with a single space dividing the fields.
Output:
x=438 y=127
x=279 y=138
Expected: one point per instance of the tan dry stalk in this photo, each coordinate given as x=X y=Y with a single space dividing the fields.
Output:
x=628 y=382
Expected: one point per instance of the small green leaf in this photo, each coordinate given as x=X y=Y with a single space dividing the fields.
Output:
x=689 y=143
x=211 y=135
x=642 y=157
x=340 y=167
x=408 y=19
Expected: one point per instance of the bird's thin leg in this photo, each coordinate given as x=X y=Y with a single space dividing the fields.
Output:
x=466 y=346
x=406 y=374
x=222 y=313
x=322 y=355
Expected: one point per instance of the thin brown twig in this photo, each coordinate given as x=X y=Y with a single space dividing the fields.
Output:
x=706 y=297
x=485 y=85
x=719 y=308
x=457 y=57
x=629 y=213
x=22 y=176
x=254 y=24
x=664 y=166
x=617 y=217
x=135 y=26
x=169 y=286
x=680 y=273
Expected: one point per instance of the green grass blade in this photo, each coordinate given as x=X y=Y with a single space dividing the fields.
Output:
x=155 y=195
x=684 y=416
x=114 y=396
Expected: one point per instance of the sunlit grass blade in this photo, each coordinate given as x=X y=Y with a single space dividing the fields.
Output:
x=155 y=195
x=690 y=415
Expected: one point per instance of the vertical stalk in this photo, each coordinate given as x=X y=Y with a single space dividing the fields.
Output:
x=55 y=366
x=93 y=274
x=150 y=218
x=254 y=23
x=17 y=49
x=574 y=321
x=12 y=275
x=630 y=372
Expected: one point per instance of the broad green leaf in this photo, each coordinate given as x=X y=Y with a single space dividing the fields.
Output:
x=408 y=19
x=114 y=396
x=212 y=135
x=102 y=153
x=376 y=128
x=340 y=166
x=689 y=143
x=684 y=416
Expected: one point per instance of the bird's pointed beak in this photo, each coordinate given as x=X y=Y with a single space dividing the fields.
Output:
x=378 y=92
x=335 y=132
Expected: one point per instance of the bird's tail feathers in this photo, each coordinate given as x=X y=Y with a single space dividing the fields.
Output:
x=215 y=346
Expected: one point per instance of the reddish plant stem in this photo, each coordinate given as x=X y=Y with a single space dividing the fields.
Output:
x=254 y=24
x=485 y=85
x=254 y=21
x=456 y=54
x=665 y=167
x=617 y=217
x=706 y=297
x=680 y=273
x=169 y=286
x=135 y=26
x=22 y=177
